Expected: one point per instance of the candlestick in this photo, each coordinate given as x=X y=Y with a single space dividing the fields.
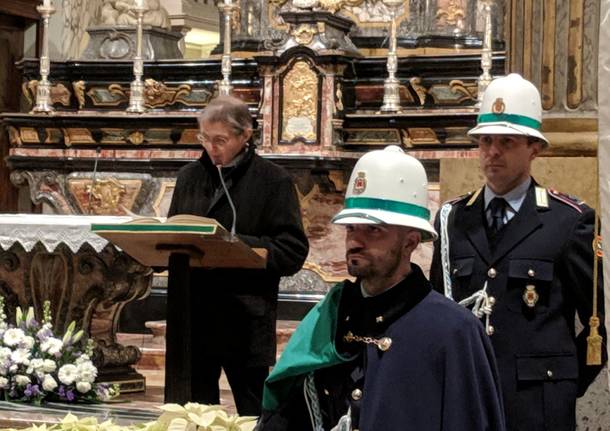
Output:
x=43 y=89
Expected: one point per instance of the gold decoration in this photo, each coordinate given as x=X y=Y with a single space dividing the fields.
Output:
x=109 y=195
x=79 y=92
x=236 y=19
x=59 y=93
x=420 y=136
x=383 y=343
x=74 y=135
x=156 y=94
x=28 y=135
x=419 y=89
x=498 y=106
x=303 y=34
x=333 y=6
x=468 y=91
x=13 y=136
x=453 y=15
x=136 y=137
x=300 y=102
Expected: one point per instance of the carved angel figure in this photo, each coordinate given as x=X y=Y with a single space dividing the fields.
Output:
x=120 y=12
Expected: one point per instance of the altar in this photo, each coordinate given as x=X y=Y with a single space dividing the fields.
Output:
x=57 y=258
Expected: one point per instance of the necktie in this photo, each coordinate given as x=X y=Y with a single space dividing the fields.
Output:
x=497 y=209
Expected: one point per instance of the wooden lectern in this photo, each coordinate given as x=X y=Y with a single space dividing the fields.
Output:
x=180 y=243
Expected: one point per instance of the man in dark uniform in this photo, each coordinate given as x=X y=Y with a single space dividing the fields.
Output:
x=521 y=256
x=385 y=352
x=236 y=309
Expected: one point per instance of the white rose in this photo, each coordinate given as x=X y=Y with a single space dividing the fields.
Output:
x=5 y=353
x=27 y=343
x=22 y=380
x=49 y=366
x=21 y=356
x=67 y=374
x=82 y=359
x=52 y=346
x=13 y=336
x=3 y=382
x=49 y=383
x=83 y=387
x=87 y=372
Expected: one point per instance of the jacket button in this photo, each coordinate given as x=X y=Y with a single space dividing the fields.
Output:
x=356 y=394
x=492 y=273
x=531 y=272
x=549 y=373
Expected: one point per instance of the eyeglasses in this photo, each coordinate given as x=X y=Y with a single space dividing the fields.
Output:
x=216 y=141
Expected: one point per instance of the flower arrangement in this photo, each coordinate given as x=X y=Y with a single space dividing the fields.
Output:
x=37 y=366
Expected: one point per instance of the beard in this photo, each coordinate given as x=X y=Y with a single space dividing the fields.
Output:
x=372 y=267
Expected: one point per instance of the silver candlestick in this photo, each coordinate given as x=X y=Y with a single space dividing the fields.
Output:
x=224 y=86
x=486 y=55
x=43 y=89
x=391 y=85
x=136 y=94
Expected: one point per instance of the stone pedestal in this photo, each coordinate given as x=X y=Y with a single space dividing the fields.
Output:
x=119 y=43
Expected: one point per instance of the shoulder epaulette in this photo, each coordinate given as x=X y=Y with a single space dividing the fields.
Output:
x=470 y=195
x=569 y=200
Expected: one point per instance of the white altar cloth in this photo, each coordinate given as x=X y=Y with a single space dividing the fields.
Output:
x=52 y=230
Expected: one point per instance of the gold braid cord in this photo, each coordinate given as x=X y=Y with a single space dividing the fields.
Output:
x=594 y=340
x=382 y=344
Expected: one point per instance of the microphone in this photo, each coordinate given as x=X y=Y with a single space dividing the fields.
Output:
x=224 y=186
x=97 y=157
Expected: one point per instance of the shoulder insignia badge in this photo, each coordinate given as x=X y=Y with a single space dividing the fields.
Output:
x=542 y=198
x=570 y=201
x=463 y=197
x=473 y=196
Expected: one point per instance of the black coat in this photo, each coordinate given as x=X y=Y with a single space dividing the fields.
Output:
x=235 y=310
x=438 y=374
x=547 y=245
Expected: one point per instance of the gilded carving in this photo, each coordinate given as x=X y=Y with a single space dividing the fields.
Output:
x=303 y=34
x=108 y=196
x=76 y=135
x=13 y=136
x=79 y=92
x=466 y=91
x=300 y=102
x=157 y=94
x=28 y=135
x=420 y=90
x=419 y=136
x=136 y=137
x=333 y=6
x=453 y=13
x=59 y=93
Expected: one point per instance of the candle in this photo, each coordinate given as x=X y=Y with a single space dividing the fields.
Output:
x=46 y=3
x=140 y=4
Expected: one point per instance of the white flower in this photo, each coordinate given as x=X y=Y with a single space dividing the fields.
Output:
x=3 y=382
x=13 y=336
x=52 y=346
x=13 y=368
x=83 y=387
x=21 y=356
x=27 y=342
x=22 y=380
x=87 y=372
x=67 y=374
x=49 y=383
x=49 y=366
x=5 y=353
x=82 y=358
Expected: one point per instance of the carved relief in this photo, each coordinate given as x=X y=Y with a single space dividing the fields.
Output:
x=300 y=102
x=44 y=186
x=79 y=92
x=108 y=196
x=303 y=34
x=75 y=135
x=156 y=95
x=373 y=14
x=59 y=93
x=419 y=136
x=420 y=90
x=451 y=14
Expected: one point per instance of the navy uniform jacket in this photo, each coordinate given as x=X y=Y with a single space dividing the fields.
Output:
x=548 y=245
x=439 y=373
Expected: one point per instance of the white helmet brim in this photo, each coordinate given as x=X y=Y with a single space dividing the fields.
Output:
x=506 y=128
x=372 y=216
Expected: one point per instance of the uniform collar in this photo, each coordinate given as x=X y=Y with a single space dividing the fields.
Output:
x=514 y=198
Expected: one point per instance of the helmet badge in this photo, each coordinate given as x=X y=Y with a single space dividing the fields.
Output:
x=359 y=183
x=498 y=107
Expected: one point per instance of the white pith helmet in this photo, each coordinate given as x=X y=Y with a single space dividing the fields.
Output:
x=511 y=106
x=388 y=187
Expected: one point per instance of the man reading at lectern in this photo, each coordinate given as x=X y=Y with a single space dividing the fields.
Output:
x=235 y=309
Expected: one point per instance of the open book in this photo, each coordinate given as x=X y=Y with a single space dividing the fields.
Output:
x=151 y=240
